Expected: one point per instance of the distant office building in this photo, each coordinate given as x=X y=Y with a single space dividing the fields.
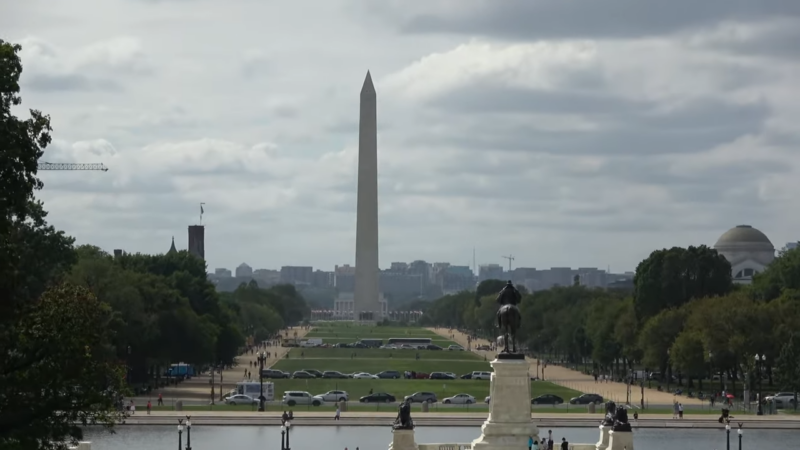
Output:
x=222 y=273
x=490 y=272
x=322 y=279
x=345 y=278
x=267 y=277
x=297 y=275
x=244 y=271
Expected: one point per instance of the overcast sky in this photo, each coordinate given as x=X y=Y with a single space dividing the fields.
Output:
x=564 y=132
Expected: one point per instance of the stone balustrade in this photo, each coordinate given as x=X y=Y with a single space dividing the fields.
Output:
x=82 y=446
x=467 y=446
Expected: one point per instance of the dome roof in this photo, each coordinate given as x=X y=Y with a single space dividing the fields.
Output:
x=743 y=234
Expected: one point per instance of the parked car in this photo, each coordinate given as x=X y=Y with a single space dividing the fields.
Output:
x=585 y=399
x=422 y=397
x=240 y=399
x=441 y=376
x=302 y=374
x=432 y=347
x=547 y=399
x=483 y=347
x=333 y=396
x=272 y=373
x=314 y=372
x=456 y=347
x=364 y=375
x=421 y=376
x=466 y=376
x=378 y=397
x=293 y=398
x=460 y=399
x=333 y=374
x=478 y=375
x=782 y=399
x=392 y=374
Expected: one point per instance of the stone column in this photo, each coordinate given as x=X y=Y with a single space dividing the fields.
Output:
x=403 y=440
x=602 y=444
x=620 y=440
x=509 y=425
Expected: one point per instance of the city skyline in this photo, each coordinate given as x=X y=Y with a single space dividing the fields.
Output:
x=556 y=140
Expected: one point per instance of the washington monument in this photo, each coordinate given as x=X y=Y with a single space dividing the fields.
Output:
x=366 y=303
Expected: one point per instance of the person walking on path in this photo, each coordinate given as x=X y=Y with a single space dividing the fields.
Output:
x=160 y=400
x=675 y=410
x=680 y=410
x=149 y=407
x=564 y=444
x=338 y=413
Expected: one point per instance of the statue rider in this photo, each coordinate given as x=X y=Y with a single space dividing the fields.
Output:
x=509 y=295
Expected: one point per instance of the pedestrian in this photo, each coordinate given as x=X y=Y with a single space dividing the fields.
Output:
x=160 y=400
x=675 y=410
x=133 y=408
x=338 y=413
x=149 y=407
x=535 y=444
x=530 y=442
x=564 y=444
x=680 y=410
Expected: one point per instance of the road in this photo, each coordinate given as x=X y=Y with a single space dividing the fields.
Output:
x=578 y=381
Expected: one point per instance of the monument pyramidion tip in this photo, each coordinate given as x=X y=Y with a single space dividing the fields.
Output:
x=368 y=88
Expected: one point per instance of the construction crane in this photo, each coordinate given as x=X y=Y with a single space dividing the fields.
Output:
x=509 y=258
x=72 y=166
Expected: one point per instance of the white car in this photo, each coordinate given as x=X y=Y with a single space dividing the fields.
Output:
x=782 y=399
x=333 y=396
x=240 y=399
x=478 y=375
x=460 y=399
x=364 y=375
x=456 y=348
x=293 y=398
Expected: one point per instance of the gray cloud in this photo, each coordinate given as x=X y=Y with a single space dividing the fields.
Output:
x=544 y=19
x=44 y=82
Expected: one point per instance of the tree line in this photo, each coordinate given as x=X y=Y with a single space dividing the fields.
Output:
x=79 y=327
x=685 y=319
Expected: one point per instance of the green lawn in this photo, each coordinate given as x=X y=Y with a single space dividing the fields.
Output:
x=344 y=353
x=400 y=388
x=375 y=365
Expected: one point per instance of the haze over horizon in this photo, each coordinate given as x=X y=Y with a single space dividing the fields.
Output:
x=564 y=133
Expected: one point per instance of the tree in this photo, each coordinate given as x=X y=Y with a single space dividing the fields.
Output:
x=788 y=366
x=782 y=273
x=671 y=278
x=62 y=373
x=688 y=356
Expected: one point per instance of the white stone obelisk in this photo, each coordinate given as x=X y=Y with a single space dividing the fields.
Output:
x=366 y=292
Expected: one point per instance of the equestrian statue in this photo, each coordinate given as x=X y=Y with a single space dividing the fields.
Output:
x=509 y=318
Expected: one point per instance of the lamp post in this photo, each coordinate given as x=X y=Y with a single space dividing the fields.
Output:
x=180 y=433
x=669 y=371
x=288 y=428
x=188 y=433
x=760 y=360
x=728 y=433
x=262 y=358
x=283 y=437
x=740 y=436
x=128 y=366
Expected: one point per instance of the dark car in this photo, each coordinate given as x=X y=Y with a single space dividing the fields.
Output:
x=378 y=397
x=334 y=374
x=302 y=374
x=547 y=399
x=432 y=347
x=314 y=372
x=441 y=376
x=272 y=373
x=466 y=376
x=585 y=399
x=393 y=374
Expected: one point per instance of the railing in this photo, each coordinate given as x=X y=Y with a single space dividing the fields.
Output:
x=445 y=446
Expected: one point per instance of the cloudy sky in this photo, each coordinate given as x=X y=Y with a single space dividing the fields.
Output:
x=564 y=132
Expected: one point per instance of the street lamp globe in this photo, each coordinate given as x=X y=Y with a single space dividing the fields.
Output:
x=180 y=428
x=740 y=431
x=727 y=427
x=283 y=429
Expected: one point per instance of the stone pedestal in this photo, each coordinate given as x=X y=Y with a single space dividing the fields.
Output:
x=602 y=444
x=403 y=440
x=509 y=425
x=620 y=440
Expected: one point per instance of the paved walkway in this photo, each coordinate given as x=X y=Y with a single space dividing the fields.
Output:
x=199 y=387
x=578 y=381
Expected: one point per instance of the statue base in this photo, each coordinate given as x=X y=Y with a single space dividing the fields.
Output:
x=620 y=440
x=403 y=440
x=509 y=425
x=510 y=356
x=602 y=444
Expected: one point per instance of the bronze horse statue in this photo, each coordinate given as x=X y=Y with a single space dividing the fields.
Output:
x=509 y=317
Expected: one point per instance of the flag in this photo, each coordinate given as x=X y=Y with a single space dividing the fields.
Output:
x=201 y=209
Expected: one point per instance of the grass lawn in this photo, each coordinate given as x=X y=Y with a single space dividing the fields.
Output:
x=375 y=365
x=344 y=353
x=400 y=388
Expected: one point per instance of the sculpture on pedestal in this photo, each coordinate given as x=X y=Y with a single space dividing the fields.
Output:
x=611 y=411
x=509 y=319
x=621 y=423
x=403 y=420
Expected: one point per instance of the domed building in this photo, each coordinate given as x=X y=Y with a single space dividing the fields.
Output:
x=747 y=249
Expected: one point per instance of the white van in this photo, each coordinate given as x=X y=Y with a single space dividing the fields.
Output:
x=481 y=375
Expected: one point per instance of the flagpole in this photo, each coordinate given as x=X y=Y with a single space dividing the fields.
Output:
x=201 y=213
